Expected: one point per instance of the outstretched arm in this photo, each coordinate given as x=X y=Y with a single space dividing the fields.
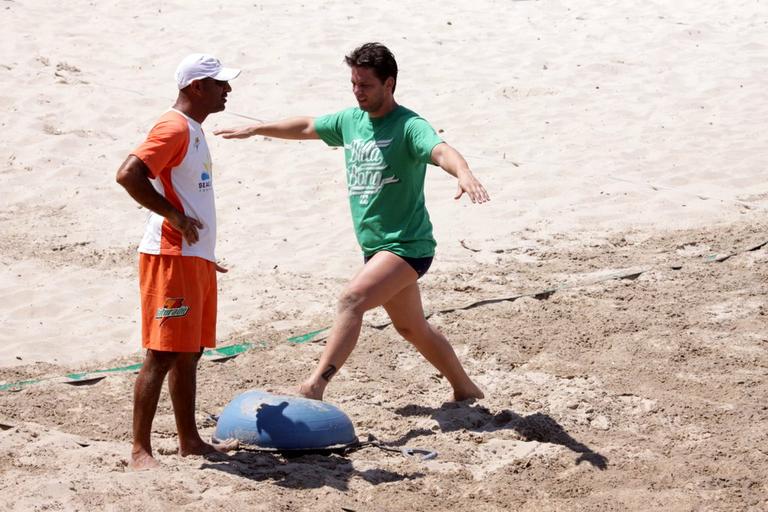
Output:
x=290 y=128
x=454 y=164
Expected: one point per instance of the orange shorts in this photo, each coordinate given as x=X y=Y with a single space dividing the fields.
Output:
x=178 y=302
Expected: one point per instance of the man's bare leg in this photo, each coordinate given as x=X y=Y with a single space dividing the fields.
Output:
x=407 y=316
x=182 y=383
x=379 y=280
x=146 y=393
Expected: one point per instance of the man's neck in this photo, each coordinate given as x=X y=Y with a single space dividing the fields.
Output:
x=384 y=110
x=186 y=107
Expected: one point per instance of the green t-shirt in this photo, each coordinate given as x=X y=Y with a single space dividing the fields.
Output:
x=386 y=161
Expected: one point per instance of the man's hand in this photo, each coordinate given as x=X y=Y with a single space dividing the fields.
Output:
x=187 y=226
x=221 y=269
x=242 y=132
x=454 y=164
x=469 y=184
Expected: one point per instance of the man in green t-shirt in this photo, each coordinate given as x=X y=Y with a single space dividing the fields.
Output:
x=386 y=148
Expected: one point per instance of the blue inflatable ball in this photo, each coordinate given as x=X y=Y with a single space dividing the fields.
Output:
x=280 y=422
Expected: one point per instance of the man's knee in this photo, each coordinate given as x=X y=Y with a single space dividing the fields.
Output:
x=157 y=360
x=186 y=361
x=352 y=301
x=412 y=333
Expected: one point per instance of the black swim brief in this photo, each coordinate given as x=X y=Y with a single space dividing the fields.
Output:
x=420 y=265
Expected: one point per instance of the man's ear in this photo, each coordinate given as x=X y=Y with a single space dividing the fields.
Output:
x=195 y=87
x=390 y=83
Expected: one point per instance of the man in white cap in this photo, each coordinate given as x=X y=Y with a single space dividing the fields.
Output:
x=171 y=174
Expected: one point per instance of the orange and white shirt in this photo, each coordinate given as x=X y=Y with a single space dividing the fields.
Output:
x=177 y=156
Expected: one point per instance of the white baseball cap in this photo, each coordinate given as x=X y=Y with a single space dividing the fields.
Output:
x=201 y=65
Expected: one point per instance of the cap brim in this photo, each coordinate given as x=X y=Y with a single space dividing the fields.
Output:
x=226 y=74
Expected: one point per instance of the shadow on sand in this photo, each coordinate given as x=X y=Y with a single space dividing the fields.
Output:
x=534 y=427
x=301 y=471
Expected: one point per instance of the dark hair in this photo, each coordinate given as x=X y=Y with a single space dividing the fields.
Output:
x=377 y=57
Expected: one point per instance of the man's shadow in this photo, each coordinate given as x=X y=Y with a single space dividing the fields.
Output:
x=300 y=469
x=534 y=427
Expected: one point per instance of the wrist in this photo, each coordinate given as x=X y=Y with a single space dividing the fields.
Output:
x=174 y=216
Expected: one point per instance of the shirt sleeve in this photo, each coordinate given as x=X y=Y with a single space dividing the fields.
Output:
x=328 y=128
x=165 y=146
x=421 y=138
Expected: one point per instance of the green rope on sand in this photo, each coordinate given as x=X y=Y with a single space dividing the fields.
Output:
x=16 y=386
x=229 y=350
x=75 y=378
x=213 y=354
x=88 y=375
x=304 y=338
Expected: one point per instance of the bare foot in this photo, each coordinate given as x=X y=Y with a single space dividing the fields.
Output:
x=142 y=461
x=471 y=392
x=200 y=447
x=284 y=391
x=311 y=390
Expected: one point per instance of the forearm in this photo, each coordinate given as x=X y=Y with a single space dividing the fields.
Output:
x=450 y=160
x=454 y=164
x=132 y=176
x=149 y=198
x=289 y=128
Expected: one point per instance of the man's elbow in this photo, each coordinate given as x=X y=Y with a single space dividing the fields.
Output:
x=126 y=178
x=129 y=172
x=308 y=130
x=438 y=154
x=122 y=177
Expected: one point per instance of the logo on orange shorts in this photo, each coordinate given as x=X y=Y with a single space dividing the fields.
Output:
x=173 y=307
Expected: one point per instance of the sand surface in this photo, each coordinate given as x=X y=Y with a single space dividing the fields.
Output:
x=622 y=340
